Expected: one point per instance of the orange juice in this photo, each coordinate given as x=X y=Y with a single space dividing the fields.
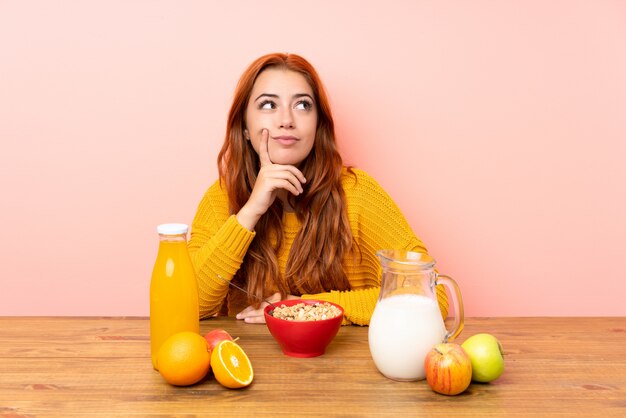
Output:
x=173 y=289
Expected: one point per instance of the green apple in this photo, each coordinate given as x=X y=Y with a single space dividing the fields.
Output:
x=485 y=352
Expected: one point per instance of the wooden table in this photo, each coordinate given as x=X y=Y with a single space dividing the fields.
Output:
x=100 y=366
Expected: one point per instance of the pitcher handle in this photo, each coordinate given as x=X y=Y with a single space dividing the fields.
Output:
x=455 y=292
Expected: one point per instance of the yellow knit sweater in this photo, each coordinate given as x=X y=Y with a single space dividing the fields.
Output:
x=219 y=243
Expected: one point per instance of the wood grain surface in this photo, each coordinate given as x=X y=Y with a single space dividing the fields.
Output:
x=68 y=366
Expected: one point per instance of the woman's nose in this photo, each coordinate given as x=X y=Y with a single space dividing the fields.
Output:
x=286 y=118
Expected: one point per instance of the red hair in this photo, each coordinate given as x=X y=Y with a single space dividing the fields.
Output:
x=315 y=262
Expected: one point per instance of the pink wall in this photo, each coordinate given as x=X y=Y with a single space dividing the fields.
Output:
x=498 y=126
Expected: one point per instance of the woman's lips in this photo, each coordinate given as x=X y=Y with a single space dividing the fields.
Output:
x=286 y=139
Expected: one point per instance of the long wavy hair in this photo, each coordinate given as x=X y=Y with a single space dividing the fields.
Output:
x=315 y=262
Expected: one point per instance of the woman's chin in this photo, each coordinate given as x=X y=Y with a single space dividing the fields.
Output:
x=286 y=160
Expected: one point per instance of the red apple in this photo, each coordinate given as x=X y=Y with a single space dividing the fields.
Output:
x=215 y=336
x=448 y=369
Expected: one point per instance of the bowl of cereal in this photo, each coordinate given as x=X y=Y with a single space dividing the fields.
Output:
x=302 y=327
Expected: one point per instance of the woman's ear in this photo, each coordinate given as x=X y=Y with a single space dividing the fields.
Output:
x=246 y=134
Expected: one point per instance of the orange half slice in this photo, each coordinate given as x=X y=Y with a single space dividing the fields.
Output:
x=231 y=366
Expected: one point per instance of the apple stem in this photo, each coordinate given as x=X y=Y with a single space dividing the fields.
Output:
x=236 y=339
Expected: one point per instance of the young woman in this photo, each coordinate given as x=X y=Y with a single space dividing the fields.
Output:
x=286 y=218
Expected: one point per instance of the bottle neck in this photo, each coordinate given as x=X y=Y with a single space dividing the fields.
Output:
x=173 y=238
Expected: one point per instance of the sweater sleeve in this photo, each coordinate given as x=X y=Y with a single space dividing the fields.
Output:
x=217 y=246
x=377 y=223
x=358 y=304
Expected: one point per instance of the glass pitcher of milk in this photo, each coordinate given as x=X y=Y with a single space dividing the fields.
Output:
x=407 y=322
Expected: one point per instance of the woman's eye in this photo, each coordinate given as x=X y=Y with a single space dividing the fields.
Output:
x=304 y=105
x=267 y=104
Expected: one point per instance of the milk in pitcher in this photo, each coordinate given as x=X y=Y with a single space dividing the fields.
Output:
x=403 y=329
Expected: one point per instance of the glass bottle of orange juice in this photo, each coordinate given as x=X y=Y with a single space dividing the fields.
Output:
x=173 y=289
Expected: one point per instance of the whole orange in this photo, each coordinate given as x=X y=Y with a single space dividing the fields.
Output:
x=184 y=358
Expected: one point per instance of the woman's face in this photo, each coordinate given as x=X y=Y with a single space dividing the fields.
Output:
x=282 y=102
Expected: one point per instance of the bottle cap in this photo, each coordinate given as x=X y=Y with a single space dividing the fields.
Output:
x=172 y=229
